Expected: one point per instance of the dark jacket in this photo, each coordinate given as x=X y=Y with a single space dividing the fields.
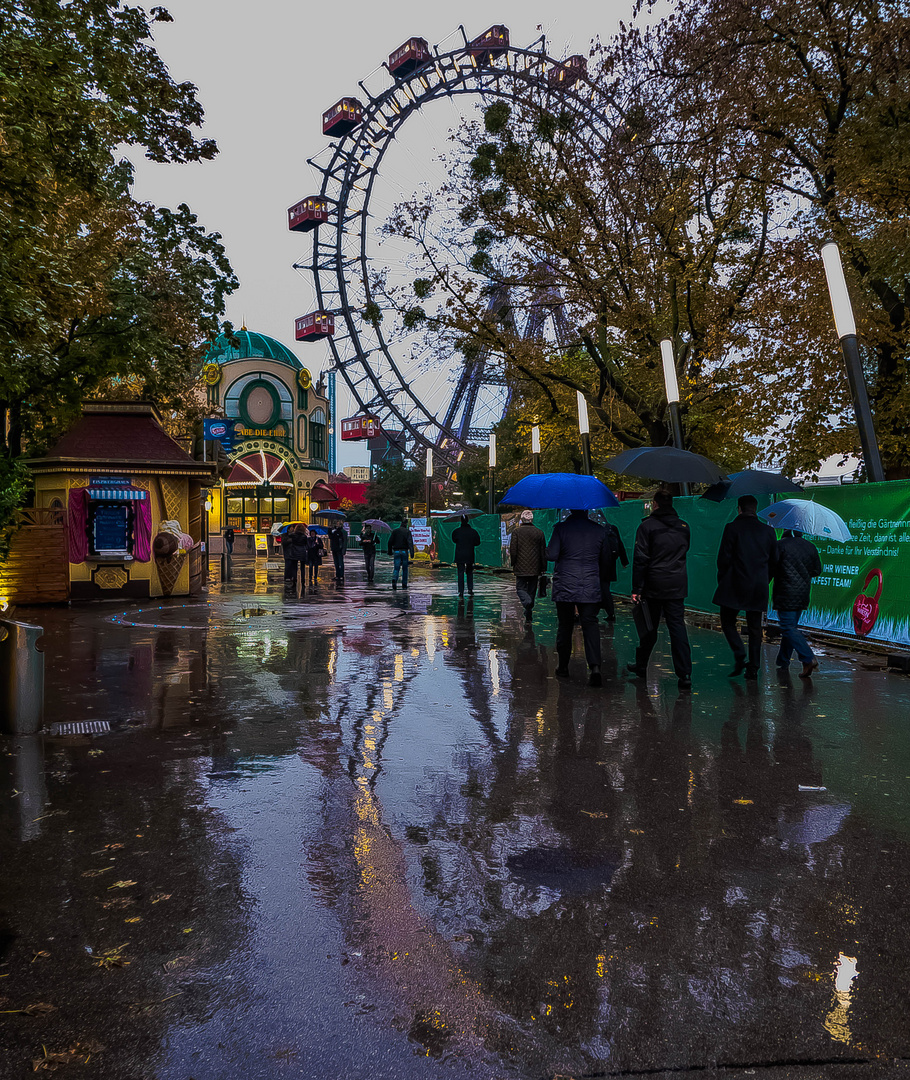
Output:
x=466 y=539
x=368 y=539
x=745 y=564
x=617 y=551
x=581 y=553
x=528 y=551
x=314 y=549
x=293 y=545
x=401 y=540
x=797 y=564
x=338 y=539
x=659 y=558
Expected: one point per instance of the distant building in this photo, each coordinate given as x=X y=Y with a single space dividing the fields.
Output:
x=358 y=473
x=278 y=422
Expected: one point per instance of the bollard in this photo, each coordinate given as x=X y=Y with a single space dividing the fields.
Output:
x=21 y=678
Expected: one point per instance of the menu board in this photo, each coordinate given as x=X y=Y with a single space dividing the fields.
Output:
x=111 y=528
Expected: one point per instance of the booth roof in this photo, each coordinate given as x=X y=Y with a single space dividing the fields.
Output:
x=246 y=345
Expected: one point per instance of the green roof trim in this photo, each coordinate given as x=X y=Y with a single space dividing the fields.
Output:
x=250 y=346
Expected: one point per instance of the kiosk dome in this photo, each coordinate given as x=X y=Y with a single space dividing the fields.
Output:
x=247 y=345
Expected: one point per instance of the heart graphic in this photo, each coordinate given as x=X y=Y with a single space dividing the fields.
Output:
x=865 y=608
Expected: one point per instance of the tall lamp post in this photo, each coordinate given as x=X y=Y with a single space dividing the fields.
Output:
x=584 y=429
x=429 y=480
x=671 y=383
x=491 y=500
x=535 y=448
x=846 y=331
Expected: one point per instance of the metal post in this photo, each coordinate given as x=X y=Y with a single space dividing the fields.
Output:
x=585 y=432
x=429 y=480
x=535 y=448
x=491 y=495
x=846 y=331
x=672 y=387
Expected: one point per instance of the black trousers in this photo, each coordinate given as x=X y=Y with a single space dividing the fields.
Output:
x=369 y=561
x=565 y=627
x=674 y=612
x=338 y=558
x=526 y=587
x=728 y=617
x=608 y=606
x=290 y=572
x=465 y=570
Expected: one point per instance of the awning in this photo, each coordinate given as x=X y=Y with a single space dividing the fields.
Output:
x=119 y=494
x=258 y=469
x=323 y=493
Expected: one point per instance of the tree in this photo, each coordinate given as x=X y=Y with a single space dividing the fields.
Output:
x=94 y=287
x=394 y=487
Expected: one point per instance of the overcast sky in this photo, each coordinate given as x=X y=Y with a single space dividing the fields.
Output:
x=265 y=72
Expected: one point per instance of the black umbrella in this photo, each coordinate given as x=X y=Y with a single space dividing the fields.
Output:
x=750 y=482
x=668 y=464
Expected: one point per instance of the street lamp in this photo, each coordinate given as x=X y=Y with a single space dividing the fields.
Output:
x=491 y=497
x=535 y=448
x=846 y=331
x=429 y=479
x=671 y=383
x=585 y=430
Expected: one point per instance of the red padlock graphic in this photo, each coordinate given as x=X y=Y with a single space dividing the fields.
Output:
x=865 y=608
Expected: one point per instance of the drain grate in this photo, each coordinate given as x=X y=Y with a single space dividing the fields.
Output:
x=83 y=727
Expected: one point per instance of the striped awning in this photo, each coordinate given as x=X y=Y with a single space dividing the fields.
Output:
x=119 y=494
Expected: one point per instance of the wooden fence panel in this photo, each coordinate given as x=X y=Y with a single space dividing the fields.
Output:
x=37 y=568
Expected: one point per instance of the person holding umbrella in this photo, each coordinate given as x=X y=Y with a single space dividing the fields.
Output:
x=368 y=543
x=338 y=542
x=580 y=550
x=314 y=552
x=797 y=564
x=294 y=550
x=466 y=540
x=528 y=556
x=746 y=561
x=659 y=587
x=617 y=551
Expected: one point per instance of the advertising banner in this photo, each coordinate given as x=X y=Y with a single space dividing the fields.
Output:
x=222 y=430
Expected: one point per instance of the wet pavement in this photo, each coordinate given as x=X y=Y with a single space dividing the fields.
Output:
x=366 y=833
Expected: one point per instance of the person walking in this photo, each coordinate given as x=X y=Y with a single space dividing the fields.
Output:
x=338 y=542
x=798 y=563
x=315 y=551
x=466 y=540
x=294 y=550
x=401 y=548
x=229 y=541
x=617 y=551
x=659 y=586
x=580 y=552
x=368 y=543
x=745 y=565
x=528 y=556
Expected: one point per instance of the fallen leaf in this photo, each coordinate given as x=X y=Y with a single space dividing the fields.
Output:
x=135 y=918
x=743 y=802
x=40 y=952
x=95 y=873
x=122 y=884
x=158 y=897
x=188 y=930
x=95 y=753
x=594 y=813
x=39 y=1008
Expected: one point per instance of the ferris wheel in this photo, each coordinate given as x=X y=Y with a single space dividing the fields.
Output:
x=371 y=362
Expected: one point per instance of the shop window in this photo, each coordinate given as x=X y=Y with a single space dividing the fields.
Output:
x=110 y=529
x=317 y=434
x=235 y=506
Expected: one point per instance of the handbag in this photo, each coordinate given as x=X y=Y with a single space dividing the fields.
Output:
x=542 y=584
x=641 y=616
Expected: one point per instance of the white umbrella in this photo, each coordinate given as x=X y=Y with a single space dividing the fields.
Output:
x=804 y=516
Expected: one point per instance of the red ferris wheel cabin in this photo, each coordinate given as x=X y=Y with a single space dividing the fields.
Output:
x=568 y=72
x=490 y=44
x=343 y=117
x=413 y=54
x=315 y=326
x=308 y=213
x=359 y=427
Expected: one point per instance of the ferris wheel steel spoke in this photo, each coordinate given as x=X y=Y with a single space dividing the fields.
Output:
x=360 y=350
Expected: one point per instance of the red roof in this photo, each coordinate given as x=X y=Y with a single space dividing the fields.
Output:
x=131 y=436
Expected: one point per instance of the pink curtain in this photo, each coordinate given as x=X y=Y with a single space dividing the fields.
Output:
x=142 y=539
x=78 y=516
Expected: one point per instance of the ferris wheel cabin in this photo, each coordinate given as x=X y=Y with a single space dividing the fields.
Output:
x=359 y=427
x=315 y=326
x=343 y=117
x=408 y=57
x=568 y=72
x=308 y=214
x=490 y=44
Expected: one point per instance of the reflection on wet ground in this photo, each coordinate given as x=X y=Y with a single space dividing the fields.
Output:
x=365 y=833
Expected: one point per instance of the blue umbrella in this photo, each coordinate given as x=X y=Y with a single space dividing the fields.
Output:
x=750 y=482
x=329 y=513
x=557 y=490
x=806 y=517
x=666 y=463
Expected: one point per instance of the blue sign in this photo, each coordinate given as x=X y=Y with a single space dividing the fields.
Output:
x=222 y=430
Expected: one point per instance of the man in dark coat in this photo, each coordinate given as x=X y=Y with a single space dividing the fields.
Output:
x=466 y=539
x=338 y=542
x=368 y=544
x=581 y=554
x=617 y=551
x=314 y=550
x=528 y=556
x=745 y=565
x=294 y=550
x=797 y=564
x=660 y=583
x=401 y=548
